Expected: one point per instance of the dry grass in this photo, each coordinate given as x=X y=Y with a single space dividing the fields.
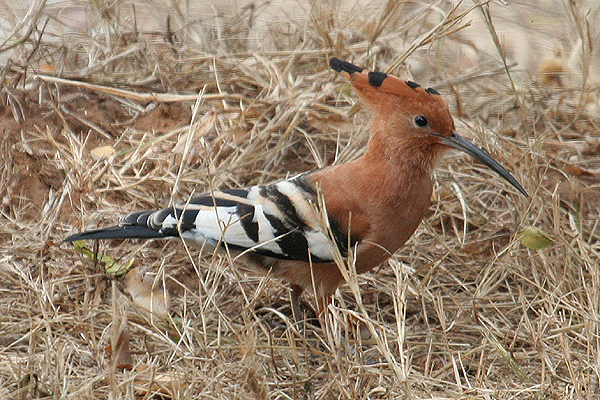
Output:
x=462 y=311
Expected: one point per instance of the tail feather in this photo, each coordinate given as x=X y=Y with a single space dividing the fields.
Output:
x=118 y=232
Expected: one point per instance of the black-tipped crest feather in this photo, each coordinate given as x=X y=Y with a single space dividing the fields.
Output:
x=338 y=65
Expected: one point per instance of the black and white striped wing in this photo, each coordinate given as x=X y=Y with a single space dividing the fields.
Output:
x=277 y=220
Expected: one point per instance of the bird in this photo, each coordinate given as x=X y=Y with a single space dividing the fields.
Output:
x=365 y=209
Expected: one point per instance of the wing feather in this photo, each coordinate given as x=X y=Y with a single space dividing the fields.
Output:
x=277 y=220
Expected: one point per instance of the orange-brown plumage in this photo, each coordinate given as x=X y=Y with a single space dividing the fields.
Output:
x=381 y=197
x=374 y=203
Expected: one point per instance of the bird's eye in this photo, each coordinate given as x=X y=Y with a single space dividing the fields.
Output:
x=421 y=121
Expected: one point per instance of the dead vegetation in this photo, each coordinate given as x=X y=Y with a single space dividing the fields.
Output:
x=132 y=107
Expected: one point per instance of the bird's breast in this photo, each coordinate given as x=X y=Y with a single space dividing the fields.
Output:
x=380 y=208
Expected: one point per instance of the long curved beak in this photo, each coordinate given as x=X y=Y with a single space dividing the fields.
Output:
x=460 y=143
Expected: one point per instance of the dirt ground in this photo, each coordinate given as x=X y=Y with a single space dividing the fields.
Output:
x=495 y=296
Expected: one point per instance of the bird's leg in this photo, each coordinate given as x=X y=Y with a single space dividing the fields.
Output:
x=296 y=308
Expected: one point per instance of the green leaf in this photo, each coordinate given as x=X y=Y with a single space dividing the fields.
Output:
x=110 y=265
x=534 y=239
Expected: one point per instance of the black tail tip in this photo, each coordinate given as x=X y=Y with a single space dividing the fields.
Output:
x=71 y=238
x=119 y=232
x=339 y=65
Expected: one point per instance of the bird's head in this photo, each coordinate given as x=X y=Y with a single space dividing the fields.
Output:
x=413 y=117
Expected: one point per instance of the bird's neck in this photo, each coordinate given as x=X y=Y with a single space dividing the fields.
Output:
x=390 y=177
x=393 y=174
x=407 y=159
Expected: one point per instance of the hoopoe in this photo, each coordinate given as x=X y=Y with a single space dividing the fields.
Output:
x=373 y=204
